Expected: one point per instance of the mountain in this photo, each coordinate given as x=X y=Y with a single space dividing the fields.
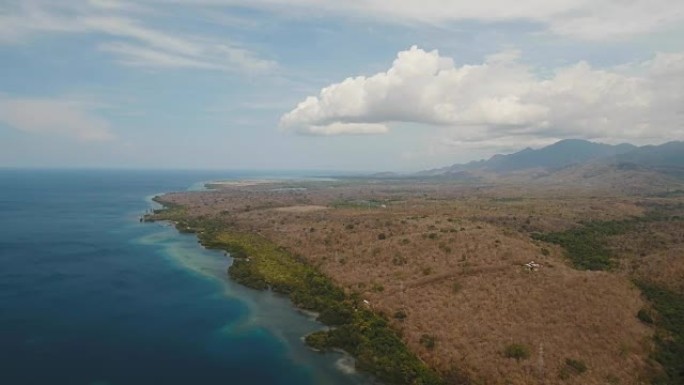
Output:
x=579 y=163
x=667 y=158
x=558 y=155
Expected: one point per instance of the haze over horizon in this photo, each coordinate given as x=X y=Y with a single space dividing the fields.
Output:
x=303 y=84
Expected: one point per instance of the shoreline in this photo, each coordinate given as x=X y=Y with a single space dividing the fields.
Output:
x=348 y=325
x=434 y=268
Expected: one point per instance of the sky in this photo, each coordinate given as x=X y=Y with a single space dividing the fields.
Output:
x=354 y=85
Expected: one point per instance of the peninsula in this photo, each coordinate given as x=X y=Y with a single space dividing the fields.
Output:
x=449 y=280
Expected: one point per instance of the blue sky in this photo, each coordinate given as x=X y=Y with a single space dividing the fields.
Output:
x=355 y=85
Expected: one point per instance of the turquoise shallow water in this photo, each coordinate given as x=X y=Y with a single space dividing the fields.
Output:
x=88 y=295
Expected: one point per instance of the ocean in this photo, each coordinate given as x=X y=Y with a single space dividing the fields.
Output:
x=91 y=296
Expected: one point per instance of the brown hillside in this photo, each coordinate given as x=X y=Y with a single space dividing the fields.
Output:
x=450 y=259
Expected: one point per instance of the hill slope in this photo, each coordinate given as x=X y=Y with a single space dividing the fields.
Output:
x=560 y=154
x=580 y=163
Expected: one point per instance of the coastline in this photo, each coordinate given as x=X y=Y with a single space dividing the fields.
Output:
x=442 y=267
x=113 y=300
x=349 y=325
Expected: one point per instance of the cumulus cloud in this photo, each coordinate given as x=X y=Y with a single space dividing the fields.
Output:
x=348 y=129
x=502 y=97
x=54 y=116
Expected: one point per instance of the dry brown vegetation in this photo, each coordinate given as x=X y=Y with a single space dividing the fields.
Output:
x=444 y=262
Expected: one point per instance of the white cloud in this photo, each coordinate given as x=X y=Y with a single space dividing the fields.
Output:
x=156 y=49
x=615 y=19
x=20 y=21
x=129 y=39
x=118 y=5
x=346 y=129
x=579 y=19
x=121 y=27
x=584 y=19
x=502 y=98
x=54 y=116
x=141 y=56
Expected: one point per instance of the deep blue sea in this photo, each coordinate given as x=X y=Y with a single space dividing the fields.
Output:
x=91 y=296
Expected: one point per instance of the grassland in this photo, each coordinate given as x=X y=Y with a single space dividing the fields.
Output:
x=588 y=246
x=413 y=272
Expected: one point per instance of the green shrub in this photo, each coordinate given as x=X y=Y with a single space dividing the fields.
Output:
x=443 y=246
x=670 y=339
x=245 y=273
x=399 y=260
x=585 y=245
x=428 y=341
x=336 y=314
x=571 y=368
x=577 y=365
x=517 y=351
x=645 y=316
x=318 y=340
x=400 y=315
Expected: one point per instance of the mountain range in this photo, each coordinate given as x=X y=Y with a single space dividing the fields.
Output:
x=576 y=161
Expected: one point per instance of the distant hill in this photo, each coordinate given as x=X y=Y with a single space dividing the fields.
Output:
x=667 y=158
x=558 y=155
x=580 y=163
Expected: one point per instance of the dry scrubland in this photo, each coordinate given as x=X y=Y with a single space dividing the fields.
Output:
x=444 y=263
